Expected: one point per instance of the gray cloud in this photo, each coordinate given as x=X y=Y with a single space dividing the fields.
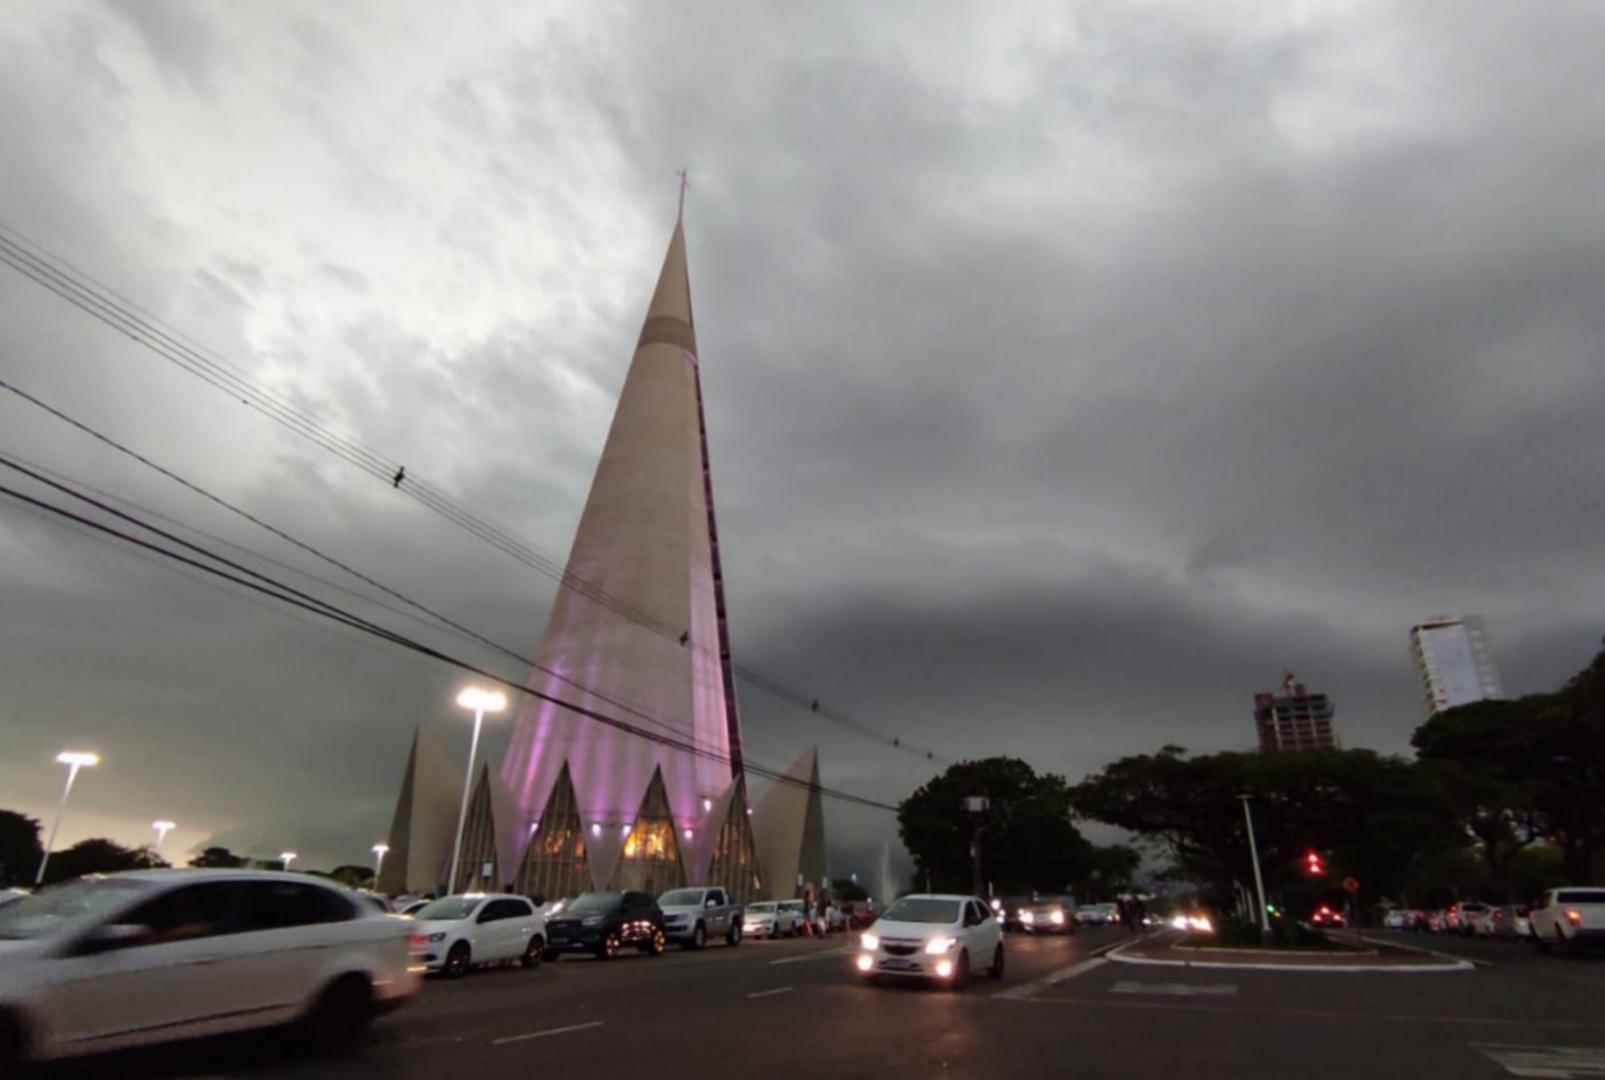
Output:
x=1070 y=372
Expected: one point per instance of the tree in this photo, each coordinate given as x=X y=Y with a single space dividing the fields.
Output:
x=1531 y=768
x=848 y=889
x=1377 y=819
x=220 y=858
x=98 y=856
x=1027 y=838
x=20 y=850
x=352 y=876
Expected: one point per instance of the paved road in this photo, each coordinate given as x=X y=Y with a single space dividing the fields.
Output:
x=793 y=1009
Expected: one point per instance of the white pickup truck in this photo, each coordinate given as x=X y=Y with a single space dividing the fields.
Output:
x=1566 y=918
x=693 y=917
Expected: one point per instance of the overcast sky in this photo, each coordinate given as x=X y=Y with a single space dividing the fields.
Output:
x=1071 y=369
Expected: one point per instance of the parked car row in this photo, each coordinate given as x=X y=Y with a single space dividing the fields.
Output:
x=1560 y=917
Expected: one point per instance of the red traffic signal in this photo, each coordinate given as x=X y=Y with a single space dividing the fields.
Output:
x=1313 y=865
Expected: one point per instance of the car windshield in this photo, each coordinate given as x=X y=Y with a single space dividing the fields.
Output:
x=448 y=909
x=62 y=907
x=761 y=909
x=681 y=898
x=921 y=910
x=1580 y=896
x=593 y=901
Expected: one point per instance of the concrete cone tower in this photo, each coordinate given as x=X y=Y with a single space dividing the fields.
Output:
x=654 y=641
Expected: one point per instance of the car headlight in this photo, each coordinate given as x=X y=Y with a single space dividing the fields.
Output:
x=1027 y=918
x=438 y=935
x=1058 y=918
x=939 y=945
x=870 y=942
x=591 y=920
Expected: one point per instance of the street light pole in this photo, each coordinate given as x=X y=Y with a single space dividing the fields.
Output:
x=286 y=858
x=379 y=851
x=74 y=761
x=481 y=701
x=1259 y=882
x=162 y=829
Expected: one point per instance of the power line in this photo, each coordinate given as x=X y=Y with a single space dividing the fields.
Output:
x=78 y=288
x=274 y=589
x=62 y=483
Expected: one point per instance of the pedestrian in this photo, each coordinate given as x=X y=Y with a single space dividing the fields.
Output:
x=1127 y=906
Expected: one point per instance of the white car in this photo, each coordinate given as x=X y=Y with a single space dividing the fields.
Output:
x=455 y=933
x=932 y=937
x=106 y=962
x=769 y=919
x=1567 y=918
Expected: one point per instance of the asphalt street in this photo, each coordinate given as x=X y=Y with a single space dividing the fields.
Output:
x=794 y=1009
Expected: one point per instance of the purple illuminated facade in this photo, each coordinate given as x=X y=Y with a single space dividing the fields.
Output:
x=642 y=625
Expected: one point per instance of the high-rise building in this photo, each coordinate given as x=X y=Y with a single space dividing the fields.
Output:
x=1295 y=719
x=1451 y=656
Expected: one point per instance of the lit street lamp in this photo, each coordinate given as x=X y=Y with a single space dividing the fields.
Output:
x=287 y=857
x=482 y=702
x=74 y=760
x=162 y=829
x=379 y=851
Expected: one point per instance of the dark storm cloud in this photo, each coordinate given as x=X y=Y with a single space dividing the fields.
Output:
x=1070 y=372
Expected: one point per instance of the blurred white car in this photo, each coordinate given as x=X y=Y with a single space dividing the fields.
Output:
x=769 y=919
x=456 y=933
x=153 y=955
x=936 y=937
x=1567 y=918
x=8 y=895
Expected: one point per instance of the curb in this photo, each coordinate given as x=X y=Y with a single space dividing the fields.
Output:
x=1319 y=969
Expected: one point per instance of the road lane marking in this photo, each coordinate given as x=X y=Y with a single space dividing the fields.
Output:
x=1429 y=952
x=543 y=1034
x=1341 y=1016
x=1053 y=978
x=1559 y=1062
x=771 y=993
x=1129 y=986
x=843 y=951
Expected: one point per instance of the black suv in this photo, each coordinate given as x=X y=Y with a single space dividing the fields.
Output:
x=606 y=923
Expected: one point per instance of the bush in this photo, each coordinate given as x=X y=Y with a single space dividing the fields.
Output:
x=1285 y=934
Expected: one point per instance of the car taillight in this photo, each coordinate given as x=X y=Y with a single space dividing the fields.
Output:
x=1574 y=916
x=418 y=941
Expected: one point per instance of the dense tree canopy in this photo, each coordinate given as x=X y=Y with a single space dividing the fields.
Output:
x=1529 y=768
x=1027 y=838
x=221 y=858
x=20 y=849
x=99 y=856
x=1377 y=819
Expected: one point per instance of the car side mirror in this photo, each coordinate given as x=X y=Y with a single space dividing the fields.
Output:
x=109 y=938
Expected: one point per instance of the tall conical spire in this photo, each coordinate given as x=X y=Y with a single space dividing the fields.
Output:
x=656 y=642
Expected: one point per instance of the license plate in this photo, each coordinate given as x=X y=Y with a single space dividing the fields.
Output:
x=899 y=965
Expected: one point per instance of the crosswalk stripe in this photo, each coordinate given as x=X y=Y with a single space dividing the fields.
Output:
x=1546 y=1062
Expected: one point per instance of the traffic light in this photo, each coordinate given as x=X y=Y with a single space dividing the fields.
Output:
x=1313 y=865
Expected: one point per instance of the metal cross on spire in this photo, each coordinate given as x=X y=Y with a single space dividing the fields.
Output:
x=685 y=184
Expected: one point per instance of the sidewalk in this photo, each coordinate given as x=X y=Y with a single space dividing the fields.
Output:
x=1163 y=949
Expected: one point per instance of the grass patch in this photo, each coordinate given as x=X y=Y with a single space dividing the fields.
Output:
x=1285 y=934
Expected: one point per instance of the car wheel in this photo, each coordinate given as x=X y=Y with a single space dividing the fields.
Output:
x=699 y=937
x=996 y=970
x=656 y=944
x=961 y=971
x=340 y=1013
x=458 y=960
x=535 y=952
x=734 y=936
x=609 y=948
